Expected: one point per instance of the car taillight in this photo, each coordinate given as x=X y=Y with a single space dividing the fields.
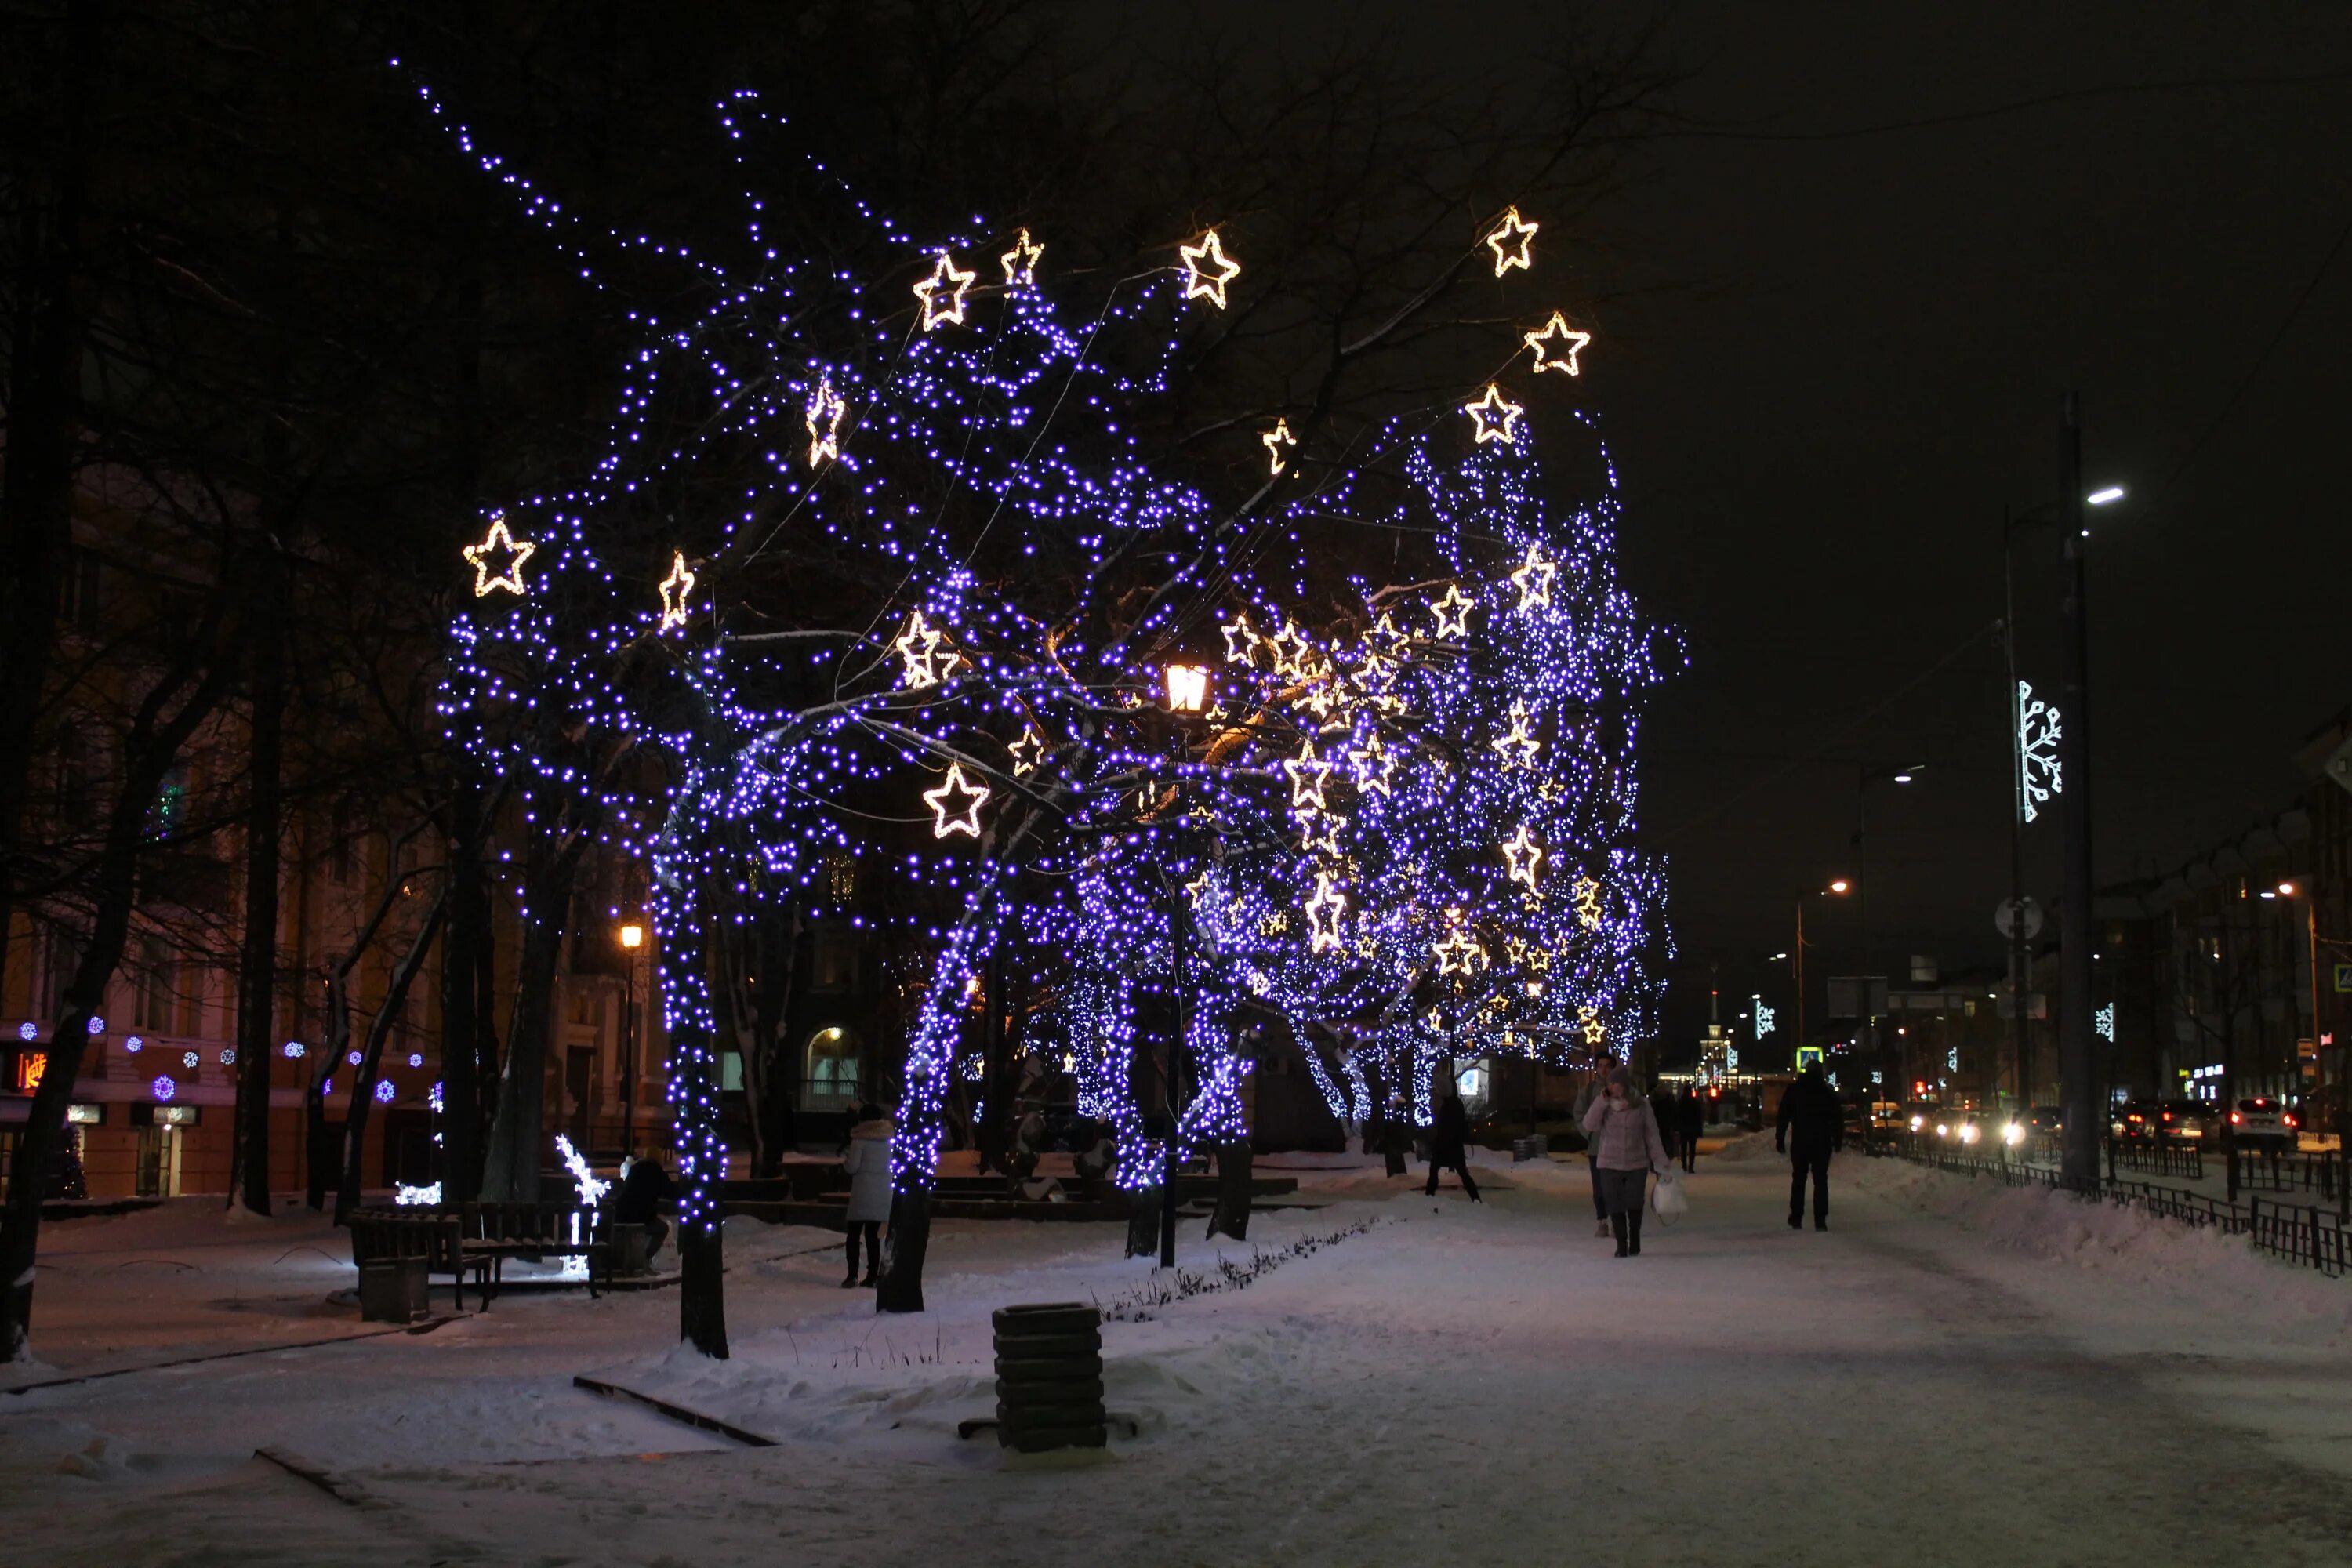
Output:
x=2235 y=1119
x=2168 y=1116
x=2288 y=1120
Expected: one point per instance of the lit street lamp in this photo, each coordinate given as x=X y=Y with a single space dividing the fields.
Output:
x=633 y=937
x=1838 y=886
x=1187 y=693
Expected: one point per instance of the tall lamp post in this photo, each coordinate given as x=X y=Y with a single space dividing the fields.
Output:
x=1187 y=687
x=633 y=937
x=1797 y=955
x=2300 y=890
x=1865 y=778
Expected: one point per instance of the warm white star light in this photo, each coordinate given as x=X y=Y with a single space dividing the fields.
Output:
x=1533 y=580
x=674 y=591
x=1496 y=416
x=1453 y=613
x=1586 y=894
x=1589 y=1020
x=1320 y=835
x=1375 y=765
x=1512 y=241
x=1274 y=441
x=963 y=818
x=943 y=309
x=825 y=408
x=1459 y=954
x=1020 y=263
x=1569 y=341
x=919 y=646
x=1307 y=772
x=498 y=541
x=1323 y=913
x=1208 y=282
x=1291 y=652
x=1522 y=854
x=1242 y=641
x=1028 y=751
x=1518 y=746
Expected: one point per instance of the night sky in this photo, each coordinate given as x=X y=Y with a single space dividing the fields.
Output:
x=1833 y=344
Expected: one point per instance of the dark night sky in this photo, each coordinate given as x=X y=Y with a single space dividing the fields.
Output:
x=1817 y=442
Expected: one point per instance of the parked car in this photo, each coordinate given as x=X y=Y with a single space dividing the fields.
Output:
x=2046 y=1118
x=2134 y=1120
x=2187 y=1120
x=2263 y=1122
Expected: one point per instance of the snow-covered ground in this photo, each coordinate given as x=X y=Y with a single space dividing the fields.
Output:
x=1955 y=1372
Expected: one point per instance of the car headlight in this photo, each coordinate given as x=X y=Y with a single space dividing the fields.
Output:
x=1969 y=1134
x=2013 y=1133
x=1917 y=1122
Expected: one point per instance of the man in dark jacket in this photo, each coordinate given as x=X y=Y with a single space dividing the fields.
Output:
x=1690 y=1118
x=646 y=1190
x=1449 y=1141
x=1810 y=1128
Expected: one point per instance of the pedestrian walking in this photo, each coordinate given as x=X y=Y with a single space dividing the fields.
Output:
x=1691 y=1117
x=868 y=1161
x=1449 y=1141
x=1810 y=1128
x=1585 y=1099
x=1626 y=1148
x=645 y=1191
x=1394 y=1138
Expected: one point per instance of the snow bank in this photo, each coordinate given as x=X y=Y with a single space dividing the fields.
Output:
x=1749 y=1146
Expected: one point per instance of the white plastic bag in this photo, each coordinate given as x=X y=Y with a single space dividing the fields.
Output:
x=1669 y=1197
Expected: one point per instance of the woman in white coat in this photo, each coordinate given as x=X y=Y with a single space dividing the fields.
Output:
x=868 y=1161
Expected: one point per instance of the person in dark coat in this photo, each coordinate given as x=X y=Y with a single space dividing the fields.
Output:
x=1810 y=1128
x=1394 y=1137
x=1690 y=1120
x=1449 y=1140
x=646 y=1190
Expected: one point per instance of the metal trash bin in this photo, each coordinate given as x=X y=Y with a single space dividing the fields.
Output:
x=1534 y=1146
x=393 y=1291
x=1049 y=1387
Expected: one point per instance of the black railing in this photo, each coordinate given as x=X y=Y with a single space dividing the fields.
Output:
x=2315 y=1237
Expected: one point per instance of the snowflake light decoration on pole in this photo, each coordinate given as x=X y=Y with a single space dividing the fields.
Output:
x=2037 y=777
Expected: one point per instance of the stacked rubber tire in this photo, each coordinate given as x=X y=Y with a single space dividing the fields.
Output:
x=1049 y=1388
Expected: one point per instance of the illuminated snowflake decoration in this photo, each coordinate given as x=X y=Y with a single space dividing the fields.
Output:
x=164 y=1088
x=1765 y=1018
x=2037 y=751
x=2103 y=1021
x=383 y=1091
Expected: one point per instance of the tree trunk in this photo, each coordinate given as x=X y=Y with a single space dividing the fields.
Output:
x=461 y=943
x=694 y=1095
x=521 y=1123
x=363 y=1096
x=999 y=1081
x=258 y=961
x=1232 y=1214
x=1143 y=1221
x=901 y=1289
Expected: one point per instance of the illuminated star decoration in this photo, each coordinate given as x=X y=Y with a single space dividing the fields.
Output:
x=1496 y=416
x=1208 y=282
x=498 y=541
x=1586 y=894
x=1453 y=613
x=674 y=590
x=1518 y=746
x=1557 y=331
x=918 y=645
x=1533 y=580
x=1511 y=241
x=1275 y=440
x=1457 y=954
x=824 y=411
x=1242 y=641
x=1323 y=913
x=1290 y=649
x=963 y=819
x=1589 y=1020
x=1028 y=751
x=1374 y=764
x=1306 y=773
x=1522 y=854
x=1020 y=263
x=937 y=310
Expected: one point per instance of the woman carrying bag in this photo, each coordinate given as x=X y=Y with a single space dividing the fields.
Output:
x=1626 y=1148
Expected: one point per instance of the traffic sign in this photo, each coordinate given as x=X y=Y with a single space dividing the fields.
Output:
x=2002 y=916
x=2343 y=978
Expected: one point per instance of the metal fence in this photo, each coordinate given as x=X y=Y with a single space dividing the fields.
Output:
x=2316 y=1238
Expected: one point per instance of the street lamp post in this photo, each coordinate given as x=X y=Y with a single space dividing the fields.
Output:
x=1797 y=955
x=1865 y=778
x=633 y=937
x=1188 y=692
x=2301 y=890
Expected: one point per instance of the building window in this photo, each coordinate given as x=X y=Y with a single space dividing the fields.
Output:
x=158 y=989
x=834 y=958
x=830 y=1078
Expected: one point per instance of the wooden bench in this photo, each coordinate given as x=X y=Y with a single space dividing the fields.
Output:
x=477 y=1238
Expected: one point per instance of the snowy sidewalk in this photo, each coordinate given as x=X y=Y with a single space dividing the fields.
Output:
x=1954 y=1374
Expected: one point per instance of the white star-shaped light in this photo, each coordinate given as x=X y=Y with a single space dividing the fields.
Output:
x=1028 y=751
x=1020 y=263
x=1518 y=746
x=919 y=646
x=1274 y=441
x=1242 y=641
x=1533 y=580
x=1291 y=652
x=498 y=541
x=1323 y=913
x=825 y=408
x=1569 y=341
x=1511 y=241
x=1374 y=764
x=674 y=590
x=1457 y=954
x=1453 y=613
x=1586 y=894
x=1320 y=835
x=942 y=293
x=1589 y=1020
x=1522 y=854
x=1306 y=773
x=962 y=817
x=1208 y=282
x=1496 y=416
